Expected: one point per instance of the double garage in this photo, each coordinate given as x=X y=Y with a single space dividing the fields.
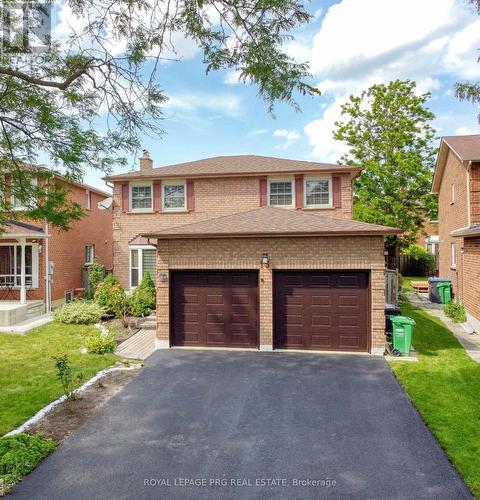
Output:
x=272 y=279
x=326 y=310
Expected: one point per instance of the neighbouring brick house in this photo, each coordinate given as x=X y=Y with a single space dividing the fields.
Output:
x=457 y=183
x=67 y=252
x=254 y=252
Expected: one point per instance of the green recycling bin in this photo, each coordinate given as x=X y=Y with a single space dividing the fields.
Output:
x=402 y=327
x=445 y=292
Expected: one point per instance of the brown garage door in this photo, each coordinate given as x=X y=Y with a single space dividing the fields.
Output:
x=321 y=310
x=215 y=308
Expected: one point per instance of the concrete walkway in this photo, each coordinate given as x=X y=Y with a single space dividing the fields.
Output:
x=470 y=341
x=138 y=346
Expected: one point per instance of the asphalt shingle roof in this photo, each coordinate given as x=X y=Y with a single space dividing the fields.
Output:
x=234 y=165
x=270 y=221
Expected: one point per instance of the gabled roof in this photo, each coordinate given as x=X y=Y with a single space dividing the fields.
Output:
x=465 y=147
x=270 y=221
x=12 y=229
x=220 y=166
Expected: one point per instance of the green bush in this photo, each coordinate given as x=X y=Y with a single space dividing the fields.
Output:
x=97 y=273
x=79 y=312
x=102 y=294
x=101 y=344
x=455 y=311
x=423 y=262
x=142 y=302
x=19 y=455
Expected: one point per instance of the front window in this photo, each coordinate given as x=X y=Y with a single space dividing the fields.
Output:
x=141 y=196
x=89 y=254
x=20 y=196
x=142 y=260
x=174 y=196
x=11 y=266
x=281 y=193
x=454 y=257
x=318 y=192
x=88 y=200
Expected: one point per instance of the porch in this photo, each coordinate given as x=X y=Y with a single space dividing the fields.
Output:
x=13 y=312
x=22 y=292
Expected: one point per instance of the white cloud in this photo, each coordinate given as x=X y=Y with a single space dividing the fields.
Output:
x=259 y=131
x=289 y=136
x=227 y=104
x=363 y=42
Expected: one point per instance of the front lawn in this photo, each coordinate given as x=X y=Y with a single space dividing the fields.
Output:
x=28 y=378
x=444 y=385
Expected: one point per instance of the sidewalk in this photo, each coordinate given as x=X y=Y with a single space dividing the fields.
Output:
x=469 y=341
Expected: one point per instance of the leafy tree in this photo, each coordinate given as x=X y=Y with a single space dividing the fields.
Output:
x=388 y=131
x=108 y=67
x=470 y=91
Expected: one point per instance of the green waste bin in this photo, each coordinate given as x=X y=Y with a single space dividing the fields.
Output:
x=445 y=292
x=402 y=333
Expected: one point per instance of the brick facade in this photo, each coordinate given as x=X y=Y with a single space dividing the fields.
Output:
x=67 y=248
x=329 y=253
x=462 y=213
x=452 y=216
x=214 y=197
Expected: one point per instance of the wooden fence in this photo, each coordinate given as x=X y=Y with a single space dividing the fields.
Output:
x=391 y=286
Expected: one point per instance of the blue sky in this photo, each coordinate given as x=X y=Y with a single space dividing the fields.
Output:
x=350 y=45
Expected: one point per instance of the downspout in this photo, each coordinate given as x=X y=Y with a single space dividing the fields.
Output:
x=47 y=274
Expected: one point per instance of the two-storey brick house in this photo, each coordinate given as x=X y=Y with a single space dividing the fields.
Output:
x=252 y=251
x=457 y=183
x=53 y=260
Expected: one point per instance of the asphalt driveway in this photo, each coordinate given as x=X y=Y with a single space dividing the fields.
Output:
x=203 y=424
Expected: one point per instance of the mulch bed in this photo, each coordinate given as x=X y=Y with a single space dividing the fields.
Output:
x=69 y=415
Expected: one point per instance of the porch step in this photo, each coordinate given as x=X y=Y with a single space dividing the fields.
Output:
x=147 y=323
x=12 y=312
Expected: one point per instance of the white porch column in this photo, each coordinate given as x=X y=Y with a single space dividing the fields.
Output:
x=23 y=289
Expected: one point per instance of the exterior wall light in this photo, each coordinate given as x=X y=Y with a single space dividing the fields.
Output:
x=265 y=260
x=163 y=277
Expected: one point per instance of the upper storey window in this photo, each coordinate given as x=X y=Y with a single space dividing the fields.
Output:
x=20 y=192
x=280 y=193
x=141 y=197
x=174 y=195
x=318 y=192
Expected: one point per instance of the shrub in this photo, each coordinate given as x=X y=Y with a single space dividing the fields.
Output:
x=423 y=262
x=142 y=302
x=19 y=455
x=65 y=374
x=97 y=273
x=101 y=344
x=79 y=312
x=455 y=311
x=103 y=293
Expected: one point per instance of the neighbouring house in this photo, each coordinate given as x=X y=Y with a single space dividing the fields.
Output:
x=457 y=183
x=252 y=251
x=41 y=266
x=428 y=237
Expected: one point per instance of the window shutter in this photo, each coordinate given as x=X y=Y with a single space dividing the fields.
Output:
x=190 y=196
x=263 y=192
x=125 y=207
x=157 y=196
x=298 y=191
x=337 y=191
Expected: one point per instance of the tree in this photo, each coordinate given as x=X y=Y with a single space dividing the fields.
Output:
x=86 y=101
x=389 y=135
x=470 y=91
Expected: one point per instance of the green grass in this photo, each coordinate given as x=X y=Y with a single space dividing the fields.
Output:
x=444 y=385
x=28 y=378
x=407 y=282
